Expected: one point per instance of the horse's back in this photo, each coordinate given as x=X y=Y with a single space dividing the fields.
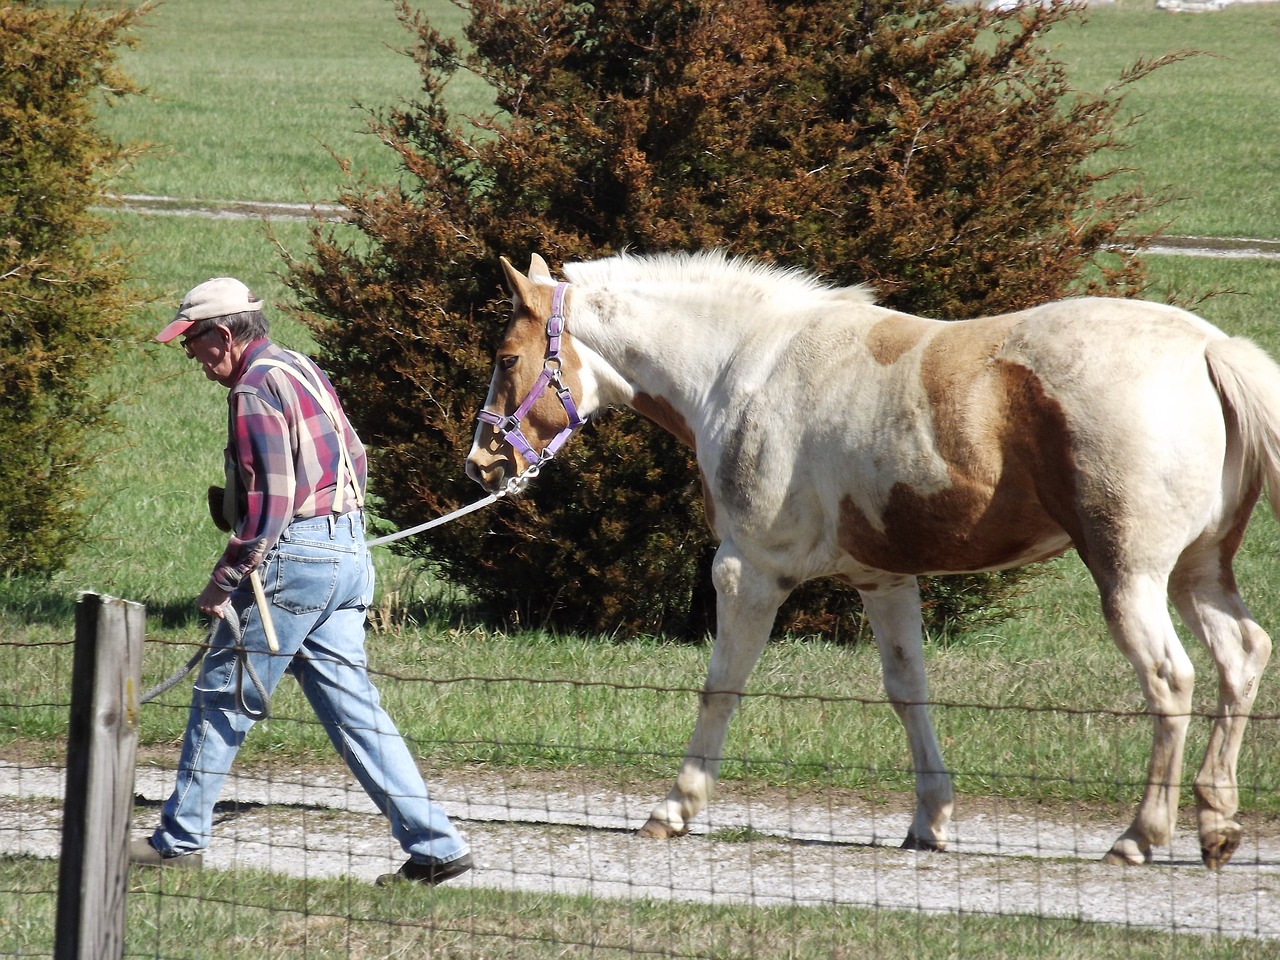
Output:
x=1084 y=419
x=1099 y=340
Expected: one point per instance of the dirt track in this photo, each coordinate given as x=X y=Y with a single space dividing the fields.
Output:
x=1216 y=247
x=570 y=835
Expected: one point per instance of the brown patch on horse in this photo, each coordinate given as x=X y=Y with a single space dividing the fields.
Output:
x=661 y=412
x=1007 y=449
x=895 y=335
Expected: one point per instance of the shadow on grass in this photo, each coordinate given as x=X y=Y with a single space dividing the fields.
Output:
x=44 y=604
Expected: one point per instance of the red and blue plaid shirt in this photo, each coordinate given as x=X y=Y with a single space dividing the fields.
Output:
x=284 y=454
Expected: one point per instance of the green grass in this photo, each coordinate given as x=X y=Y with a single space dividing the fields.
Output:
x=1207 y=130
x=279 y=917
x=241 y=106
x=246 y=99
x=245 y=93
x=253 y=100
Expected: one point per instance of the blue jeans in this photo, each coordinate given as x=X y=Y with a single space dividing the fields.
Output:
x=319 y=582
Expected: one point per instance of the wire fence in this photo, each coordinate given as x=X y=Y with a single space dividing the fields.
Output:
x=792 y=858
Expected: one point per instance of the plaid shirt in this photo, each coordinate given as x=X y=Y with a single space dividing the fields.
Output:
x=284 y=455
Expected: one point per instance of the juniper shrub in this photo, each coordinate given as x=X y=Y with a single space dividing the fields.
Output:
x=62 y=279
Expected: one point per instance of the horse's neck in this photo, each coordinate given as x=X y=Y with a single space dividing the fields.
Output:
x=655 y=348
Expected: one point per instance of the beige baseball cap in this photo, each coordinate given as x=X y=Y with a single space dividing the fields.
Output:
x=219 y=297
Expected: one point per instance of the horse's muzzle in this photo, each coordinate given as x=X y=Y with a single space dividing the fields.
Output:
x=491 y=476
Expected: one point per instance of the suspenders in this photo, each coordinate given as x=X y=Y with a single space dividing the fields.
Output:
x=307 y=377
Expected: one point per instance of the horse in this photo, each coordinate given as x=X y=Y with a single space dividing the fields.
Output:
x=838 y=438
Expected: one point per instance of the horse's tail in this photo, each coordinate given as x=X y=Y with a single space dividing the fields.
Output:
x=1248 y=381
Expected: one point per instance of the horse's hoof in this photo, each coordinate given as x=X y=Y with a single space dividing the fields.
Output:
x=1127 y=853
x=913 y=842
x=1217 y=848
x=656 y=829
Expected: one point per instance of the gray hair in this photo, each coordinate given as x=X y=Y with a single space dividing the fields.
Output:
x=244 y=327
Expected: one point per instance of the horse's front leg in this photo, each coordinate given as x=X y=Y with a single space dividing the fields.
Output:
x=747 y=602
x=894 y=612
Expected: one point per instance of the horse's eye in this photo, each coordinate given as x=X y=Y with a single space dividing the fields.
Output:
x=507 y=363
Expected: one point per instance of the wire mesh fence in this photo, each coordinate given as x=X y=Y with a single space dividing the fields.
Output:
x=798 y=853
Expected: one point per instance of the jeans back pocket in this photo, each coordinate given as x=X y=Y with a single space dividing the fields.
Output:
x=305 y=584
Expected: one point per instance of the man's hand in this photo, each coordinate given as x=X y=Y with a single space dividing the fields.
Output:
x=213 y=601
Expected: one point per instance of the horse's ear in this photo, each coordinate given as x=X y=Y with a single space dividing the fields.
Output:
x=518 y=285
x=539 y=271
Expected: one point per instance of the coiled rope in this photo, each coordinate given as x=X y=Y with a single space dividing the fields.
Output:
x=243 y=666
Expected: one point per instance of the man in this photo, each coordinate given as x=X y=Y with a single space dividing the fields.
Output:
x=295 y=486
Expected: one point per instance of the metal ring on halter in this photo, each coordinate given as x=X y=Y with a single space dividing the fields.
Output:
x=517 y=484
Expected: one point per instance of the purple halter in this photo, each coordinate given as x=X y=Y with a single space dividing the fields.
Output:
x=509 y=426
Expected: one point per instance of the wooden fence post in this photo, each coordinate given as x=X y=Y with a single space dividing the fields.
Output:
x=102 y=745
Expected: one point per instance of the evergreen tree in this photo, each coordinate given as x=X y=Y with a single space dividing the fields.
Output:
x=62 y=302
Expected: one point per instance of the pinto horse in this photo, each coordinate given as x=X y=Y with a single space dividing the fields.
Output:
x=837 y=438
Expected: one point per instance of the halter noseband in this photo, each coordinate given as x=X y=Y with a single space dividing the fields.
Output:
x=509 y=426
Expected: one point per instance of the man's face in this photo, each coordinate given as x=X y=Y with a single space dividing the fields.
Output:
x=212 y=347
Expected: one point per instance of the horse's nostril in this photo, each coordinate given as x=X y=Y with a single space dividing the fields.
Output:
x=489 y=477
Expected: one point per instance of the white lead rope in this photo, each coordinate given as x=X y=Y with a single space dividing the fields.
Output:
x=515 y=486
x=438 y=521
x=259 y=597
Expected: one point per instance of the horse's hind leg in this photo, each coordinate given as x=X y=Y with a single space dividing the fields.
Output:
x=1203 y=589
x=1137 y=615
x=746 y=605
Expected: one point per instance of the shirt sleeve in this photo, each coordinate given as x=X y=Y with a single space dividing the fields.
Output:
x=264 y=464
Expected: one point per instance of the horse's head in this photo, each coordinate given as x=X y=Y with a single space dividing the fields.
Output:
x=529 y=412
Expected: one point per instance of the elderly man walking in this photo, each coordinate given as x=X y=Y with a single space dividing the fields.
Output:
x=295 y=485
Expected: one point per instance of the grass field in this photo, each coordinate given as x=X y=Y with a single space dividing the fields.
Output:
x=248 y=110
x=1206 y=130
x=246 y=97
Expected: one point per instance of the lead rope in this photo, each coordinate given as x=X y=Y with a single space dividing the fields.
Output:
x=243 y=666
x=513 y=487
x=437 y=522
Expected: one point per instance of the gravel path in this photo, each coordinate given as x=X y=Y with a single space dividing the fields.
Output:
x=571 y=835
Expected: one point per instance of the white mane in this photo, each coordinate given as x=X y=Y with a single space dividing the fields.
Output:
x=744 y=278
